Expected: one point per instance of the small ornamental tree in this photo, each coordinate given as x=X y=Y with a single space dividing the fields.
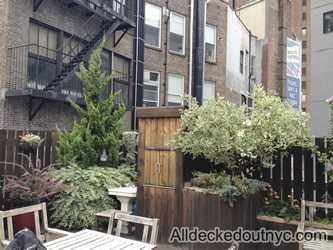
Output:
x=100 y=121
x=241 y=137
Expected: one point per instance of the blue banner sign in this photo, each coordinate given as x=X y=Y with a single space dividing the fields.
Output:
x=293 y=91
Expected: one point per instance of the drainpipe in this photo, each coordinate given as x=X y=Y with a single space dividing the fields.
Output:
x=166 y=51
x=250 y=36
x=200 y=51
x=136 y=62
x=190 y=50
x=249 y=87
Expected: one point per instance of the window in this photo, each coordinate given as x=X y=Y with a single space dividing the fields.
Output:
x=241 y=59
x=42 y=63
x=303 y=84
x=252 y=65
x=153 y=25
x=151 y=89
x=121 y=79
x=175 y=90
x=303 y=31
x=303 y=98
x=71 y=47
x=208 y=91
x=177 y=33
x=303 y=71
x=303 y=57
x=243 y=99
x=303 y=110
x=210 y=42
x=303 y=2
x=303 y=44
x=246 y=61
x=328 y=22
x=304 y=16
x=44 y=40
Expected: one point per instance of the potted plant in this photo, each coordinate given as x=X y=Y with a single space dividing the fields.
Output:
x=34 y=186
x=29 y=141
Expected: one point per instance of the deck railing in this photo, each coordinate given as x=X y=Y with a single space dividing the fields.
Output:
x=34 y=66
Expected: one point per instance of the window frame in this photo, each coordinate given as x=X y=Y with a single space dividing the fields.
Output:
x=119 y=80
x=303 y=57
x=214 y=50
x=303 y=31
x=158 y=88
x=303 y=84
x=303 y=98
x=304 y=16
x=303 y=2
x=183 y=35
x=204 y=100
x=241 y=61
x=304 y=44
x=303 y=71
x=324 y=26
x=176 y=94
x=159 y=28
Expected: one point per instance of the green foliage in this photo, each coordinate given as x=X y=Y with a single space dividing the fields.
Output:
x=229 y=192
x=75 y=208
x=100 y=122
x=327 y=158
x=274 y=206
x=241 y=137
x=128 y=158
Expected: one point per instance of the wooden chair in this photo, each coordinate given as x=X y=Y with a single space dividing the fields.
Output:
x=105 y=216
x=36 y=210
x=234 y=246
x=147 y=222
x=304 y=226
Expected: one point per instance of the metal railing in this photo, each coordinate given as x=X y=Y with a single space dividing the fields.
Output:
x=34 y=66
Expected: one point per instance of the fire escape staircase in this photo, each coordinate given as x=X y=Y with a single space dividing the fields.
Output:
x=110 y=21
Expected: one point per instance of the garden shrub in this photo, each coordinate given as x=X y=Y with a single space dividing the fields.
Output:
x=128 y=156
x=100 y=124
x=221 y=184
x=75 y=208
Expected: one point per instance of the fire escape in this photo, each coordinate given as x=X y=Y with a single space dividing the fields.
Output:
x=62 y=83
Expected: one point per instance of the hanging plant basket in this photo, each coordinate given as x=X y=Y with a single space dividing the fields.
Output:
x=27 y=146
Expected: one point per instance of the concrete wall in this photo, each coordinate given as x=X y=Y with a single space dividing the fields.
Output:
x=237 y=39
x=15 y=16
x=256 y=23
x=321 y=68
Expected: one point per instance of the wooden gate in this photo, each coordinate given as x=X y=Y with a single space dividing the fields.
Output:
x=160 y=171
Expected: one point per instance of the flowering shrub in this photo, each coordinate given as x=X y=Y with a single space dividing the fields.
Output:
x=241 y=137
x=32 y=187
x=274 y=206
x=327 y=159
x=31 y=138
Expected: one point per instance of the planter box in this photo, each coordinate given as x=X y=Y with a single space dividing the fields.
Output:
x=208 y=211
x=279 y=224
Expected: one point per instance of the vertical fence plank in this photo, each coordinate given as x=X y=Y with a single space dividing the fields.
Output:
x=47 y=150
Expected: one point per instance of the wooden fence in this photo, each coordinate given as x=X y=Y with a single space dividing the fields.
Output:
x=297 y=174
x=9 y=152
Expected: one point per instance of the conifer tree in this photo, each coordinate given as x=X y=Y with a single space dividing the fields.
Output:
x=100 y=122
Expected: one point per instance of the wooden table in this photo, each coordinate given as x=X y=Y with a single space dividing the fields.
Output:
x=88 y=239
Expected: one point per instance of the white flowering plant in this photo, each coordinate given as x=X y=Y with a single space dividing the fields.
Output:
x=31 y=138
x=240 y=137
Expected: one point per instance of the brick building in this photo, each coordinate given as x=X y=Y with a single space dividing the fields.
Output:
x=159 y=50
x=195 y=47
x=41 y=46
